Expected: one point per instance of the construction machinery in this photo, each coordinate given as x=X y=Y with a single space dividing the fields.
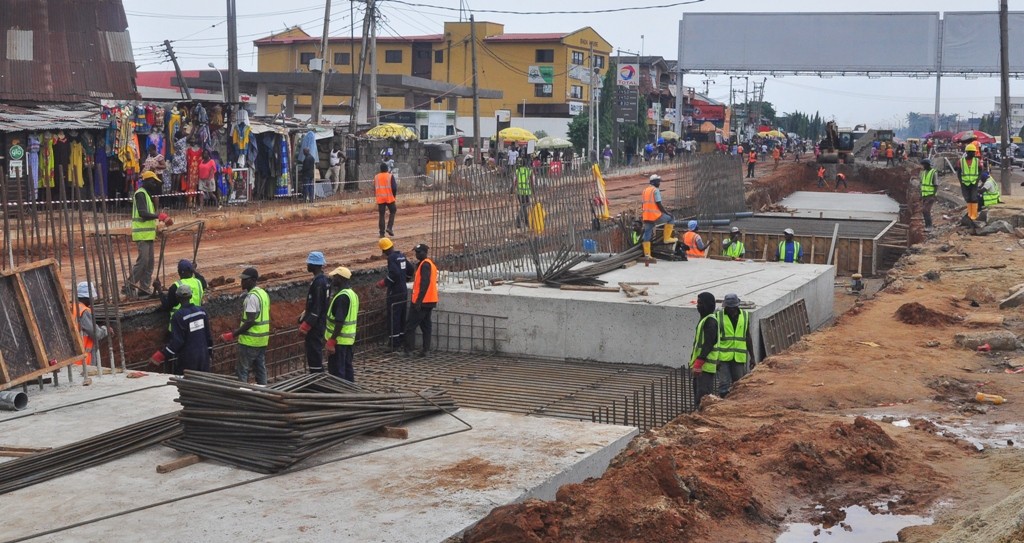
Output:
x=837 y=145
x=440 y=158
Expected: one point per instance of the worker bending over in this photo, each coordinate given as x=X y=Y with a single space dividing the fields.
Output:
x=695 y=246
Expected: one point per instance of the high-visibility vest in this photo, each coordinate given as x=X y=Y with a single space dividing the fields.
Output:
x=347 y=336
x=523 y=181
x=634 y=237
x=382 y=188
x=258 y=335
x=649 y=209
x=431 y=293
x=928 y=183
x=821 y=173
x=732 y=340
x=711 y=362
x=888 y=152
x=796 y=250
x=197 y=294
x=690 y=240
x=991 y=197
x=969 y=172
x=752 y=157
x=86 y=340
x=143 y=229
x=735 y=250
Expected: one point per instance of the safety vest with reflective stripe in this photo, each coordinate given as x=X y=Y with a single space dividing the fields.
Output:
x=735 y=249
x=650 y=211
x=143 y=229
x=258 y=335
x=523 y=181
x=382 y=188
x=732 y=340
x=752 y=157
x=690 y=240
x=928 y=183
x=711 y=362
x=782 y=251
x=86 y=340
x=634 y=237
x=991 y=197
x=348 y=326
x=969 y=172
x=197 y=294
x=430 y=297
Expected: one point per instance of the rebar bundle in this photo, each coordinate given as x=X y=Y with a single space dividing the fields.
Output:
x=269 y=429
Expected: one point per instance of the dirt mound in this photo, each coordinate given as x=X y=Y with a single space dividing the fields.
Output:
x=915 y=313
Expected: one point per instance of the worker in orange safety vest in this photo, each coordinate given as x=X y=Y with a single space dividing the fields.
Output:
x=385 y=188
x=654 y=213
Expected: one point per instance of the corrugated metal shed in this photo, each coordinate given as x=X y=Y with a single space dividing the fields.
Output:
x=65 y=51
x=51 y=117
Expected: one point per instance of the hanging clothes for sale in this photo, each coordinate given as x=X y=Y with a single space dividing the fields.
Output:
x=61 y=155
x=102 y=161
x=173 y=125
x=33 y=166
x=309 y=142
x=76 y=164
x=282 y=180
x=46 y=161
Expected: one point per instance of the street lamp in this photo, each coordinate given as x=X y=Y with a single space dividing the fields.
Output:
x=223 y=98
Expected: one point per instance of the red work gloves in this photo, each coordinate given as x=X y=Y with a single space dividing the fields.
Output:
x=162 y=217
x=331 y=345
x=698 y=365
x=158 y=358
x=380 y=284
x=304 y=329
x=228 y=337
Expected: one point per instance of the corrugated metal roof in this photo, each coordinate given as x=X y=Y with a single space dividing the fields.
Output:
x=79 y=50
x=51 y=117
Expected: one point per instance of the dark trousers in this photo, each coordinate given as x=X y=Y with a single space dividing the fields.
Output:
x=396 y=309
x=970 y=193
x=703 y=384
x=843 y=181
x=339 y=364
x=926 y=209
x=750 y=169
x=314 y=345
x=728 y=373
x=392 y=208
x=419 y=318
x=308 y=189
x=523 y=216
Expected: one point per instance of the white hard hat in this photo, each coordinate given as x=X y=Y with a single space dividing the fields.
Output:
x=654 y=177
x=789 y=231
x=85 y=290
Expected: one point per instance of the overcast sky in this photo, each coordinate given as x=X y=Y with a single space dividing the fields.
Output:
x=200 y=36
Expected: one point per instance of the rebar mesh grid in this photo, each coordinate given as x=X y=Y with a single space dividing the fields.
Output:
x=708 y=186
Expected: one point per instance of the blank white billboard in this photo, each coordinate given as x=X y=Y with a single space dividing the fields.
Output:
x=970 y=42
x=809 y=42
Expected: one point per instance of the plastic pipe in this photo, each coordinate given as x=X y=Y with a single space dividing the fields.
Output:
x=13 y=400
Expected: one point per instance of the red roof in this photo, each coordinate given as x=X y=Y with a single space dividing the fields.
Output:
x=551 y=36
x=287 y=40
x=164 y=79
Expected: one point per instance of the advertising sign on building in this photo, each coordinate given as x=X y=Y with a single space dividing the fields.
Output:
x=628 y=76
x=540 y=75
x=575 y=108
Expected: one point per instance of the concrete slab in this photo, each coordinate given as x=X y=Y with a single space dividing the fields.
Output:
x=608 y=327
x=841 y=205
x=370 y=489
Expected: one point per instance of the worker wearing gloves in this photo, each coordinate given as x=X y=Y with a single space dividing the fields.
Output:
x=340 y=332
x=397 y=293
x=312 y=321
x=789 y=249
x=704 y=355
x=692 y=240
x=91 y=332
x=654 y=213
x=187 y=275
x=144 y=219
x=424 y=300
x=191 y=345
x=732 y=246
x=969 y=171
x=253 y=334
x=734 y=345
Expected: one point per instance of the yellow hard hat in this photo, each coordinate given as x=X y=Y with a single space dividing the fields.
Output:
x=150 y=175
x=385 y=244
x=342 y=271
x=972 y=147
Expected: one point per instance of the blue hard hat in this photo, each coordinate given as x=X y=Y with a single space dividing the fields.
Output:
x=692 y=225
x=316 y=258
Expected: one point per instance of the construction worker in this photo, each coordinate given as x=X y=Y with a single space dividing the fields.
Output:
x=92 y=333
x=751 y=162
x=927 y=192
x=253 y=333
x=841 y=178
x=734 y=345
x=821 y=177
x=989 y=192
x=732 y=246
x=691 y=239
x=191 y=345
x=397 y=294
x=385 y=188
x=523 y=189
x=187 y=275
x=889 y=155
x=704 y=355
x=424 y=300
x=636 y=234
x=340 y=332
x=144 y=219
x=969 y=171
x=654 y=213
x=312 y=321
x=789 y=249
x=776 y=156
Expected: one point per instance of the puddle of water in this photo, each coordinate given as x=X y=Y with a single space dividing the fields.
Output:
x=860 y=526
x=981 y=435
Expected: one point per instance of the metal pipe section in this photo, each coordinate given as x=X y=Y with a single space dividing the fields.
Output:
x=13 y=400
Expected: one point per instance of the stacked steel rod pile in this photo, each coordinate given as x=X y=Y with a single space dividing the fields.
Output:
x=270 y=429
x=50 y=464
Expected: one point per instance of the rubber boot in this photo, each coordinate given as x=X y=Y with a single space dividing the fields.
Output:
x=972 y=211
x=647 y=249
x=667 y=235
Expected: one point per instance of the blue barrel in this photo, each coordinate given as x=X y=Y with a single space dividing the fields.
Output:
x=589 y=246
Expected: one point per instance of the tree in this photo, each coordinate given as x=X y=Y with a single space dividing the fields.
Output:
x=578 y=128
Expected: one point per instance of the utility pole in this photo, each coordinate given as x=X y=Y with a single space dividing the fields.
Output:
x=232 y=96
x=372 y=7
x=318 y=96
x=590 y=109
x=477 y=154
x=182 y=86
x=1004 y=103
x=353 y=121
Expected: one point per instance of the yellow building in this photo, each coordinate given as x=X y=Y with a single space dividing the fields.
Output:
x=544 y=73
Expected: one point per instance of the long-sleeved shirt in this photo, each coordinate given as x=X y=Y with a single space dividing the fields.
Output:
x=425 y=273
x=140 y=204
x=308 y=165
x=191 y=339
x=710 y=338
x=87 y=324
x=338 y=311
x=397 y=275
x=316 y=305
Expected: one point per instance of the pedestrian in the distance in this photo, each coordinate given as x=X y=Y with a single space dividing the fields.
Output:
x=751 y=162
x=307 y=175
x=340 y=332
x=208 y=180
x=397 y=293
x=704 y=355
x=522 y=187
x=841 y=180
x=253 y=333
x=927 y=192
x=424 y=300
x=191 y=345
x=312 y=321
x=385 y=189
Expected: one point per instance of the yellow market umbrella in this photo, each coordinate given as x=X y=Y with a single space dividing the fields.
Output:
x=392 y=131
x=669 y=135
x=516 y=134
x=771 y=134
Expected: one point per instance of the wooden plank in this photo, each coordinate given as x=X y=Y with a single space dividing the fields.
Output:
x=69 y=319
x=178 y=463
x=814 y=239
x=832 y=248
x=29 y=267
x=33 y=329
x=18 y=452
x=860 y=256
x=43 y=371
x=972 y=268
x=4 y=376
x=589 y=289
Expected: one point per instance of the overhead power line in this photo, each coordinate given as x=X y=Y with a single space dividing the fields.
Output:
x=558 y=12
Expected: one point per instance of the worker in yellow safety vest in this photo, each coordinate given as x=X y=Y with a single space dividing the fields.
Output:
x=989 y=191
x=732 y=246
x=654 y=213
x=187 y=275
x=789 y=249
x=144 y=219
x=735 y=348
x=969 y=171
x=927 y=192
x=342 y=314
x=704 y=354
x=253 y=333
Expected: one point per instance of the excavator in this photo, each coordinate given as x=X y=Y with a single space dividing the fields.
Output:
x=836 y=146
